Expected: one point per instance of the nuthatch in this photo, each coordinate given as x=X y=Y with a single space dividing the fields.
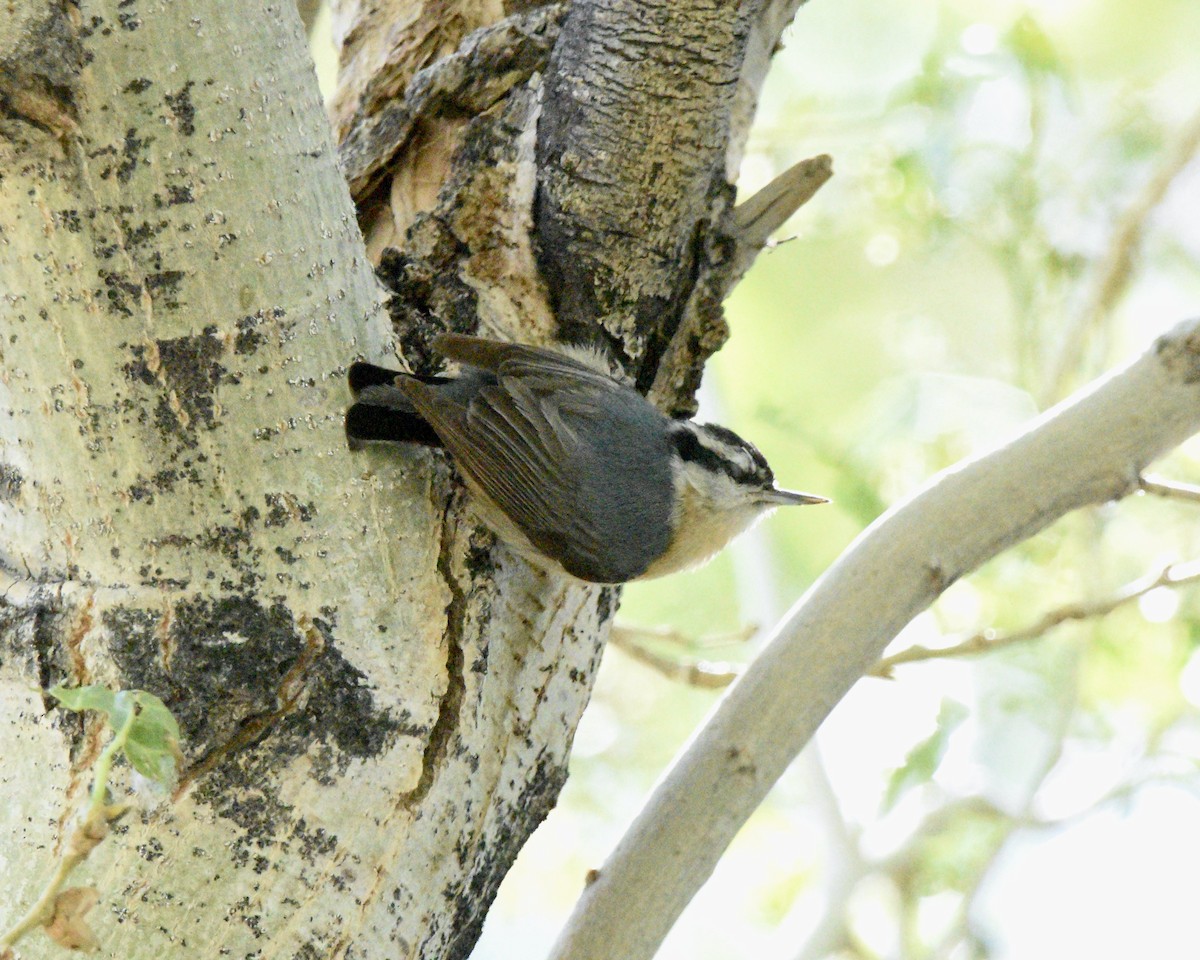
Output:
x=569 y=464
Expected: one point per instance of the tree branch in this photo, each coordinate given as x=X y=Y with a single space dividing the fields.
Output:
x=632 y=165
x=1175 y=575
x=754 y=220
x=1170 y=489
x=694 y=672
x=1086 y=451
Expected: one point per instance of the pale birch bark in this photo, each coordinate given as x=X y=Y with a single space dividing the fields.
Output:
x=377 y=700
x=372 y=726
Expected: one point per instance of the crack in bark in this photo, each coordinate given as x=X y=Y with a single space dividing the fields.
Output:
x=450 y=707
x=74 y=641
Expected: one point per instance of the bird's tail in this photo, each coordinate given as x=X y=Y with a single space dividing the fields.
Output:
x=381 y=412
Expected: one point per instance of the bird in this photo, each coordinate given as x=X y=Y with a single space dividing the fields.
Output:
x=567 y=462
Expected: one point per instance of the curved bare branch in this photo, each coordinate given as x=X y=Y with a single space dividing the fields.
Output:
x=1086 y=451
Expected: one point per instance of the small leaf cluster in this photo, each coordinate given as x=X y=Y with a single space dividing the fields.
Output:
x=151 y=741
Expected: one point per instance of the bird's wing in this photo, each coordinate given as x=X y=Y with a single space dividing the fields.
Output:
x=519 y=441
x=540 y=369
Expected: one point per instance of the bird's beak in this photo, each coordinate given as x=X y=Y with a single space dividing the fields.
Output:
x=783 y=498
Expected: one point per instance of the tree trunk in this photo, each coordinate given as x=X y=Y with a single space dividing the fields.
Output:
x=376 y=699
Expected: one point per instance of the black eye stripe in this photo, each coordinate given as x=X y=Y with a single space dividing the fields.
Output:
x=733 y=440
x=691 y=448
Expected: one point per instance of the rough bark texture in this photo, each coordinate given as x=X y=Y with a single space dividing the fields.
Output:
x=184 y=285
x=647 y=107
x=637 y=113
x=466 y=83
x=384 y=45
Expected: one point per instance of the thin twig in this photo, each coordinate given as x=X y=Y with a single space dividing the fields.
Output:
x=754 y=220
x=1175 y=575
x=1171 y=489
x=708 y=674
x=1116 y=267
x=83 y=840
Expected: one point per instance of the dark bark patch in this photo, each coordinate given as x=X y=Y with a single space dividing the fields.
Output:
x=226 y=670
x=428 y=295
x=190 y=370
x=121 y=292
x=11 y=481
x=607 y=602
x=242 y=790
x=249 y=337
x=180 y=105
x=68 y=220
x=283 y=508
x=131 y=152
x=337 y=721
x=164 y=481
x=479 y=560
x=252 y=329
x=177 y=193
x=164 y=287
x=142 y=233
x=29 y=638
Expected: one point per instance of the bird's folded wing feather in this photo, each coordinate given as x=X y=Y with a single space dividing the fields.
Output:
x=518 y=446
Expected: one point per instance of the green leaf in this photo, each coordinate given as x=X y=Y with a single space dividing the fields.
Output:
x=152 y=740
x=152 y=745
x=84 y=698
x=122 y=709
x=923 y=759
